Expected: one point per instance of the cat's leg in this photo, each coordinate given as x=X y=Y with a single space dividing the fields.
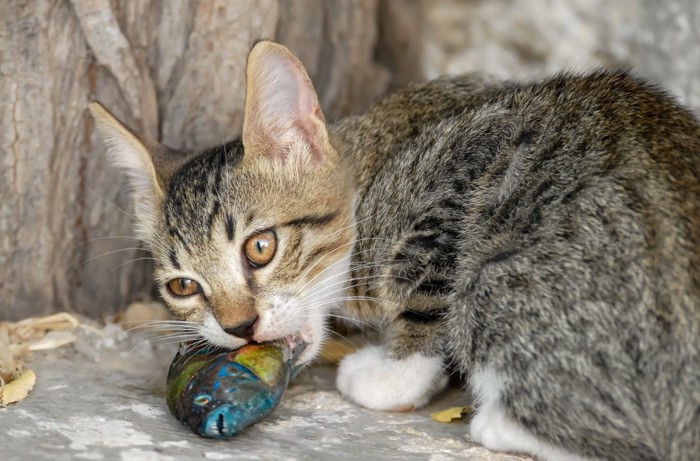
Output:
x=493 y=428
x=412 y=282
x=401 y=375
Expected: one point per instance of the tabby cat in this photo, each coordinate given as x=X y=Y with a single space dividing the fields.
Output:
x=543 y=239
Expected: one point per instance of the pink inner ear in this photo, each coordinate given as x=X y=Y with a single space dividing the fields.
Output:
x=283 y=106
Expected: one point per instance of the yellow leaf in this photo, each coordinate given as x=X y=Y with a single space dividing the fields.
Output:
x=19 y=388
x=450 y=414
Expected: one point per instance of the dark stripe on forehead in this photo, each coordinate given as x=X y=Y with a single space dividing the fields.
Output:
x=172 y=230
x=249 y=219
x=230 y=226
x=210 y=222
x=312 y=220
x=173 y=259
x=193 y=191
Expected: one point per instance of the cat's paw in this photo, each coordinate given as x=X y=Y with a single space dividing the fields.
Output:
x=369 y=377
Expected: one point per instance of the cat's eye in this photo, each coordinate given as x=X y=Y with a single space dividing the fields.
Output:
x=183 y=287
x=260 y=248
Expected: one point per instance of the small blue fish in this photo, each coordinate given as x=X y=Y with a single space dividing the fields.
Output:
x=218 y=395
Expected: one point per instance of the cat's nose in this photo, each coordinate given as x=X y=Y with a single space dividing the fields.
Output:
x=245 y=330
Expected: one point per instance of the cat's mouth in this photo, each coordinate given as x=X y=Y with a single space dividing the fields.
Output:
x=297 y=345
x=294 y=345
x=301 y=345
x=292 y=342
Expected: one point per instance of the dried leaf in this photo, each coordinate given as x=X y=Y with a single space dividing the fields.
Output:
x=31 y=334
x=52 y=340
x=60 y=321
x=9 y=365
x=450 y=414
x=18 y=389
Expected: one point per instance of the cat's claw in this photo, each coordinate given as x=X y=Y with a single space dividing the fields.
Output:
x=369 y=377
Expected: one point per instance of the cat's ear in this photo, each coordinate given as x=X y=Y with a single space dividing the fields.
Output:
x=283 y=119
x=147 y=163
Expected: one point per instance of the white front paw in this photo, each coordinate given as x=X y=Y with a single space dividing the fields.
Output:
x=369 y=377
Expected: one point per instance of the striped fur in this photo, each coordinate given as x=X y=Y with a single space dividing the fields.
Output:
x=542 y=238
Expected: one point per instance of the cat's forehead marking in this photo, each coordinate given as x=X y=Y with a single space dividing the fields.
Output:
x=249 y=218
x=198 y=196
x=230 y=226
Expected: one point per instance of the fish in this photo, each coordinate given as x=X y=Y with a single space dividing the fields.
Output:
x=219 y=394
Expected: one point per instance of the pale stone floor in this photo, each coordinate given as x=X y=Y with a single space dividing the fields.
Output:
x=102 y=399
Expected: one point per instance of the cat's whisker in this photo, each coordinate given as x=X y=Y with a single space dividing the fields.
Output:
x=298 y=290
x=345 y=339
x=173 y=338
x=306 y=272
x=348 y=319
x=166 y=324
x=322 y=287
x=345 y=286
x=160 y=243
x=109 y=203
x=102 y=255
x=163 y=328
x=145 y=258
x=352 y=242
x=198 y=344
x=338 y=301
x=163 y=339
x=106 y=237
x=354 y=223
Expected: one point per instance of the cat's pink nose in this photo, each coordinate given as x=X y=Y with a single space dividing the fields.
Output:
x=245 y=330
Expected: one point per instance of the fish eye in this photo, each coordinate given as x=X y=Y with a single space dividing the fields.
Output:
x=202 y=399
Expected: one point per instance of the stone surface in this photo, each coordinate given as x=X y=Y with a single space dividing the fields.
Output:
x=522 y=39
x=103 y=399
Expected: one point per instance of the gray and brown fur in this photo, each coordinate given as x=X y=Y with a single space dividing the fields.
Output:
x=549 y=231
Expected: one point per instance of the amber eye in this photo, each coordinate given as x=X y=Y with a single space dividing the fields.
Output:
x=260 y=248
x=184 y=287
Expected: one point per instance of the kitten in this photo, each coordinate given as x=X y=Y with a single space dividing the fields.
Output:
x=542 y=238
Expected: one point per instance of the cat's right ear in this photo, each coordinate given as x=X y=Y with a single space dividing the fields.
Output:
x=283 y=120
x=147 y=163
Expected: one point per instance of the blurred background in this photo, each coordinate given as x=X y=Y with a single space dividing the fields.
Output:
x=175 y=71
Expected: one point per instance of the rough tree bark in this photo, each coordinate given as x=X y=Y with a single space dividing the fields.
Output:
x=173 y=70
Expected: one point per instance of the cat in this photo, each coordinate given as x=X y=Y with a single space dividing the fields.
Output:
x=542 y=239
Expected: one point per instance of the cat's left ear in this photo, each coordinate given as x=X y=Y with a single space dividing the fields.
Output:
x=283 y=119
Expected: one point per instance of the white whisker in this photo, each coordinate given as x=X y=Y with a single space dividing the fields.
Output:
x=145 y=258
x=109 y=203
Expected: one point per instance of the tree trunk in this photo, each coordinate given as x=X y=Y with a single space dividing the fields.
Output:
x=173 y=70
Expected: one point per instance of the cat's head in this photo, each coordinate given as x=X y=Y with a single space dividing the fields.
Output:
x=251 y=239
